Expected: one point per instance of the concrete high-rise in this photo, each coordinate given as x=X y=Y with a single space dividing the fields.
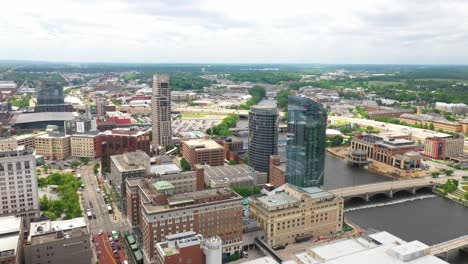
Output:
x=307 y=123
x=18 y=184
x=161 y=111
x=263 y=136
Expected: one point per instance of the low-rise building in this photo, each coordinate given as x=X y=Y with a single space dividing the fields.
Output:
x=384 y=148
x=85 y=145
x=443 y=147
x=378 y=247
x=297 y=214
x=202 y=151
x=64 y=241
x=53 y=145
x=11 y=240
x=188 y=247
x=438 y=123
x=26 y=140
x=228 y=176
x=159 y=212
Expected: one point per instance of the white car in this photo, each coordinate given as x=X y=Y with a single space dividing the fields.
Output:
x=100 y=232
x=98 y=190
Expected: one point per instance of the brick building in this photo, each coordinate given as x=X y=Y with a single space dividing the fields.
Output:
x=277 y=171
x=159 y=212
x=11 y=240
x=53 y=146
x=202 y=151
x=443 y=147
x=85 y=145
x=122 y=140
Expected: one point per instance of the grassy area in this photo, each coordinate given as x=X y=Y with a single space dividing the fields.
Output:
x=193 y=115
x=465 y=188
x=384 y=83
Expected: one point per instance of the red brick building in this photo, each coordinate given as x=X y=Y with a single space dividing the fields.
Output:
x=202 y=151
x=159 y=212
x=443 y=147
x=277 y=171
x=122 y=140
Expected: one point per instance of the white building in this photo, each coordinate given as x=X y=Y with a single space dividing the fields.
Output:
x=379 y=247
x=18 y=184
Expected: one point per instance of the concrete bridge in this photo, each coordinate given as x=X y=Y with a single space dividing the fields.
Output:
x=444 y=247
x=388 y=188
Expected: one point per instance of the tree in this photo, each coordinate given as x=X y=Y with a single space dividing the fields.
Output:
x=465 y=196
x=246 y=160
x=435 y=174
x=431 y=126
x=185 y=164
x=336 y=141
x=75 y=163
x=85 y=160
x=448 y=172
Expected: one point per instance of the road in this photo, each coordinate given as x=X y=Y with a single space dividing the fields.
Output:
x=104 y=221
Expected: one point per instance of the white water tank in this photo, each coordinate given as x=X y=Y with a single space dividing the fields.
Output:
x=213 y=249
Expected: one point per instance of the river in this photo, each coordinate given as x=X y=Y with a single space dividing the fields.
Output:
x=424 y=217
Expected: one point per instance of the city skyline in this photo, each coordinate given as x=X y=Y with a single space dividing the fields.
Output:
x=367 y=32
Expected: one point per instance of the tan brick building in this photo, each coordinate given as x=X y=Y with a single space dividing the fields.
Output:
x=202 y=151
x=53 y=146
x=84 y=145
x=296 y=214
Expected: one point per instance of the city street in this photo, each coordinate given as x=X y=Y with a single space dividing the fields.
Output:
x=94 y=201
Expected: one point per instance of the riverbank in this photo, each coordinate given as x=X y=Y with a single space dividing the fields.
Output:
x=340 y=152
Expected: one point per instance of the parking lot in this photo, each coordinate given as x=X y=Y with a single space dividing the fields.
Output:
x=183 y=125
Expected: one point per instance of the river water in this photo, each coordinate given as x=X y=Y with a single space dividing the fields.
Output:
x=424 y=217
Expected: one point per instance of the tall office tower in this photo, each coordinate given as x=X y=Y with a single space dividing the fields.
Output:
x=263 y=136
x=101 y=107
x=161 y=111
x=18 y=184
x=49 y=92
x=307 y=123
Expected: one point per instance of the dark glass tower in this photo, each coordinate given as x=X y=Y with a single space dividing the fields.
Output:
x=49 y=93
x=307 y=123
x=263 y=136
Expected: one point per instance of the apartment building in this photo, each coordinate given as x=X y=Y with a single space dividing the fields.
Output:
x=202 y=151
x=64 y=241
x=443 y=147
x=297 y=214
x=18 y=184
x=159 y=212
x=53 y=146
x=85 y=145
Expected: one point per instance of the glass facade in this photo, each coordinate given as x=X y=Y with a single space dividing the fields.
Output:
x=263 y=136
x=307 y=123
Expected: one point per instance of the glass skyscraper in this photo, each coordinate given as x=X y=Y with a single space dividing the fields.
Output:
x=307 y=123
x=263 y=136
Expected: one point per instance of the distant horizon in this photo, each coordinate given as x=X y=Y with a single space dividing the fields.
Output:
x=37 y=62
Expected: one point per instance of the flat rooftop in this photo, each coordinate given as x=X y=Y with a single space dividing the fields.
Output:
x=226 y=171
x=41 y=117
x=202 y=144
x=122 y=164
x=53 y=135
x=381 y=247
x=278 y=199
x=165 y=168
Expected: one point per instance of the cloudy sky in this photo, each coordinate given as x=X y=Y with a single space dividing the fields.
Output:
x=237 y=31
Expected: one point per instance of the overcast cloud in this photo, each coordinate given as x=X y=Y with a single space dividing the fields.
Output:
x=237 y=31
